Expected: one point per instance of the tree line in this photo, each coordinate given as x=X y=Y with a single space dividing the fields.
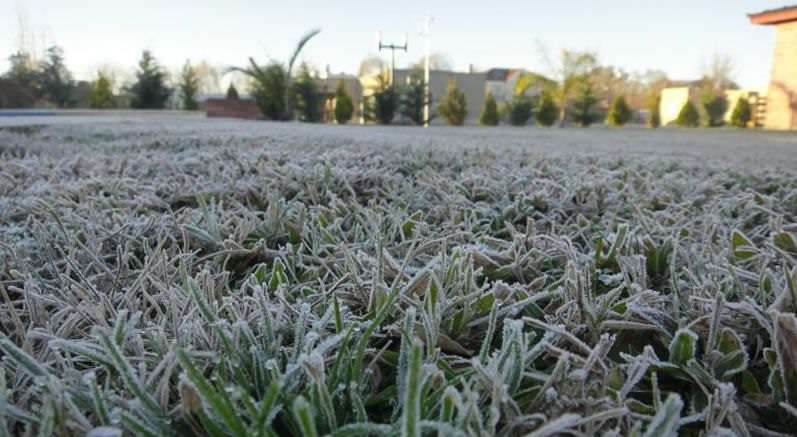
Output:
x=578 y=90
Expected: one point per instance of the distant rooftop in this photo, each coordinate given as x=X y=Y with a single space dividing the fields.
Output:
x=782 y=15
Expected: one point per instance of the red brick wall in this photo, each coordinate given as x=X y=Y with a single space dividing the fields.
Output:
x=232 y=109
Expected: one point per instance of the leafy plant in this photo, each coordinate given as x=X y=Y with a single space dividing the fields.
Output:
x=189 y=87
x=582 y=111
x=232 y=92
x=344 y=107
x=412 y=99
x=150 y=90
x=619 y=112
x=688 y=116
x=520 y=110
x=489 y=115
x=547 y=112
x=654 y=104
x=454 y=107
x=306 y=98
x=101 y=96
x=272 y=83
x=381 y=107
x=715 y=106
x=742 y=113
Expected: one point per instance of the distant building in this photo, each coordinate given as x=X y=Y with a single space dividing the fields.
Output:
x=781 y=106
x=501 y=82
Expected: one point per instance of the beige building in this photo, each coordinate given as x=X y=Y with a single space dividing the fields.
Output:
x=781 y=106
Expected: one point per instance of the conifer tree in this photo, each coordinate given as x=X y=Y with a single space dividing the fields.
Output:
x=150 y=90
x=489 y=115
x=454 y=106
x=344 y=107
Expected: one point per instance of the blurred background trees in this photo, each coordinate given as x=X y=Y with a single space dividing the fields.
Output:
x=150 y=90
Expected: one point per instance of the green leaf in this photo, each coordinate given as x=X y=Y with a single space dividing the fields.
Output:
x=665 y=422
x=218 y=400
x=741 y=246
x=411 y=416
x=683 y=347
x=303 y=413
x=785 y=242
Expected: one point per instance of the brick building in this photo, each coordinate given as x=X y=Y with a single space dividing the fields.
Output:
x=781 y=109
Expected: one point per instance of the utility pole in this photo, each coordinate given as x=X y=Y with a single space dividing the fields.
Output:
x=427 y=97
x=392 y=48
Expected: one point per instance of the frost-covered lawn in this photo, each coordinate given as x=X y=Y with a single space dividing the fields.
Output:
x=176 y=276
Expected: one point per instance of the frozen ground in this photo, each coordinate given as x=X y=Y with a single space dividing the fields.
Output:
x=165 y=275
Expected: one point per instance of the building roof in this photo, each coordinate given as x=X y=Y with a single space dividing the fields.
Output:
x=782 y=15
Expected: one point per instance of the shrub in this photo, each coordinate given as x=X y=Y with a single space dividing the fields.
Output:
x=454 y=106
x=101 y=96
x=412 y=99
x=150 y=90
x=688 y=116
x=272 y=84
x=344 y=107
x=619 y=112
x=548 y=112
x=582 y=106
x=189 y=87
x=520 y=110
x=269 y=89
x=654 y=102
x=715 y=106
x=742 y=113
x=382 y=106
x=489 y=115
x=306 y=97
x=232 y=92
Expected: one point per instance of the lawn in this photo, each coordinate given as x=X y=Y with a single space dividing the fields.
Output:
x=170 y=276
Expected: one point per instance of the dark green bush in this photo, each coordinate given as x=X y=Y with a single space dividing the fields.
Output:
x=582 y=106
x=619 y=113
x=382 y=106
x=101 y=96
x=520 y=110
x=548 y=112
x=715 y=106
x=150 y=90
x=412 y=99
x=454 y=106
x=742 y=113
x=344 y=107
x=489 y=115
x=306 y=98
x=654 y=102
x=232 y=92
x=688 y=116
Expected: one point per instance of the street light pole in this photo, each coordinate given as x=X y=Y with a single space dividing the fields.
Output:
x=427 y=98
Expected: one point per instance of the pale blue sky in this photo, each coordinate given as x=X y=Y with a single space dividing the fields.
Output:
x=676 y=36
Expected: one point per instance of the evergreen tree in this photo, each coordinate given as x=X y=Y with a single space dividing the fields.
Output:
x=150 y=90
x=412 y=99
x=344 y=107
x=520 y=109
x=189 y=87
x=382 y=106
x=101 y=96
x=619 y=113
x=548 y=112
x=742 y=113
x=654 y=102
x=454 y=106
x=306 y=96
x=715 y=106
x=582 y=106
x=688 y=116
x=489 y=115
x=55 y=81
x=232 y=92
x=22 y=72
